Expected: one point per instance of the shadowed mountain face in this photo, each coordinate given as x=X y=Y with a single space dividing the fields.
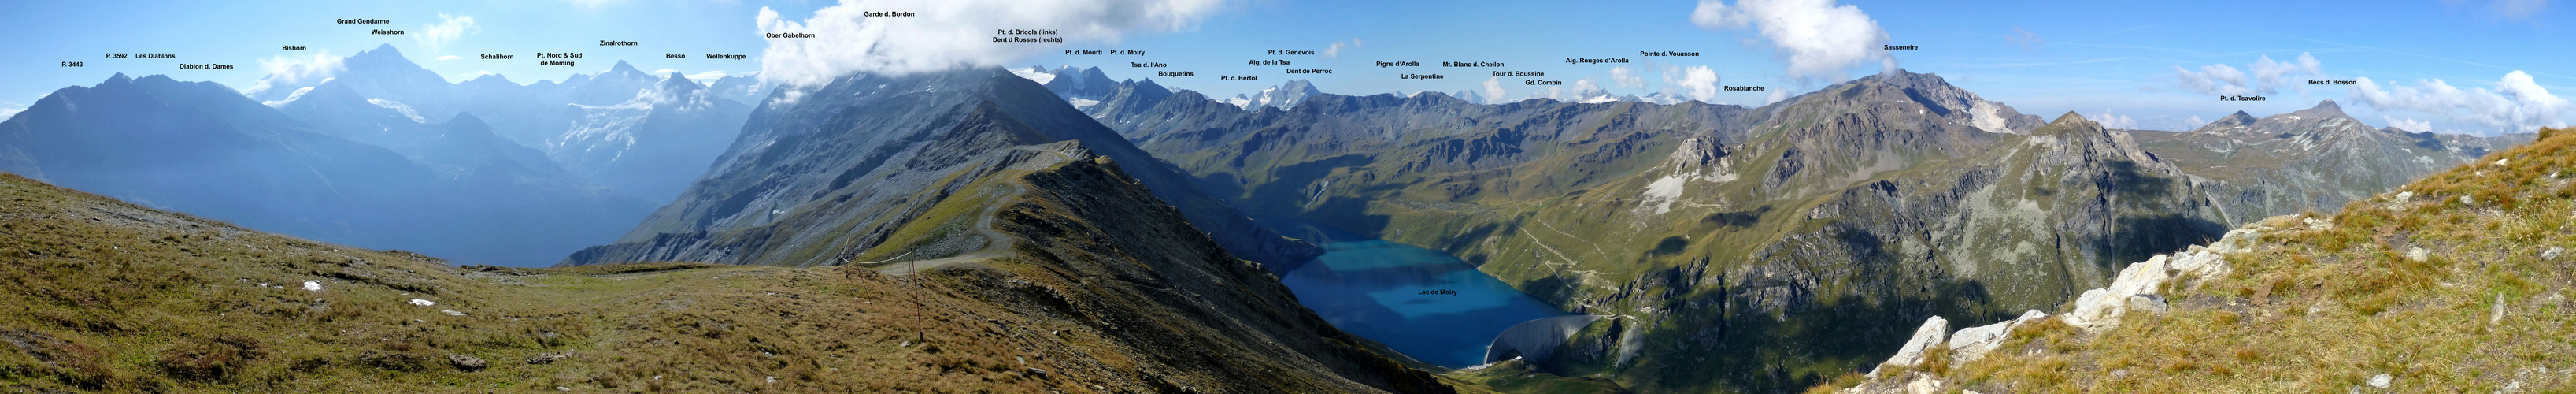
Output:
x=1773 y=245
x=2315 y=159
x=829 y=174
x=653 y=145
x=452 y=189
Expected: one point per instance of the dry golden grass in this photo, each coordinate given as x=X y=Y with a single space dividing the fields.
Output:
x=98 y=295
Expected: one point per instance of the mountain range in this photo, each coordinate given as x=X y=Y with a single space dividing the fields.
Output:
x=1773 y=243
x=453 y=188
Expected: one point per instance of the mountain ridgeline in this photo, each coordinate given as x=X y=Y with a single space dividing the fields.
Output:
x=1760 y=249
x=835 y=174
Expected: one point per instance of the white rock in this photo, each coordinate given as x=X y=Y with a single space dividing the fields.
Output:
x=2498 y=316
x=2500 y=162
x=1933 y=331
x=312 y=286
x=1926 y=385
x=2148 y=303
x=2402 y=197
x=2380 y=381
x=2317 y=224
x=2418 y=254
x=1972 y=343
x=422 y=302
x=453 y=313
x=2552 y=253
x=2465 y=200
x=2030 y=315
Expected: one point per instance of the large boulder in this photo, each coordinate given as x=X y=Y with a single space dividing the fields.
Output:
x=1933 y=332
x=1972 y=343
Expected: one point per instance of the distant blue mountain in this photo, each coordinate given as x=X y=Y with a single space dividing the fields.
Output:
x=452 y=189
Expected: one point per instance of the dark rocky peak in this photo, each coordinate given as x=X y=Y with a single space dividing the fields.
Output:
x=623 y=68
x=383 y=57
x=2070 y=123
x=467 y=122
x=677 y=82
x=491 y=79
x=2324 y=109
x=2240 y=118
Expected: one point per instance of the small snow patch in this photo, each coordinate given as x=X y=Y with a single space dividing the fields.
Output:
x=312 y=286
x=453 y=313
x=416 y=301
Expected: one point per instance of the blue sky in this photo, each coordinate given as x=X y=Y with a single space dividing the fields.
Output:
x=2149 y=64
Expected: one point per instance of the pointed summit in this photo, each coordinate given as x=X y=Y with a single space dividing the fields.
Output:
x=2324 y=109
x=118 y=79
x=622 y=68
x=468 y=120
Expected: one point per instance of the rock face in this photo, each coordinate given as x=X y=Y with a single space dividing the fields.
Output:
x=2317 y=159
x=1871 y=204
x=830 y=178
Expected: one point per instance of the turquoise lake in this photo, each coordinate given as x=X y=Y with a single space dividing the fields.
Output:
x=1427 y=304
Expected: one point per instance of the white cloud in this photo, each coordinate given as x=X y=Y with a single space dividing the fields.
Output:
x=475 y=74
x=1494 y=90
x=2193 y=123
x=2518 y=9
x=1817 y=37
x=447 y=30
x=662 y=72
x=707 y=75
x=2024 y=39
x=2114 y=121
x=1334 y=50
x=2517 y=104
x=2218 y=79
x=1698 y=83
x=1624 y=77
x=5 y=113
x=2409 y=124
x=288 y=73
x=449 y=57
x=2269 y=76
x=949 y=33
x=1777 y=95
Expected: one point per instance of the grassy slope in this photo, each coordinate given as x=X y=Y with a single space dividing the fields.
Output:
x=104 y=295
x=2327 y=308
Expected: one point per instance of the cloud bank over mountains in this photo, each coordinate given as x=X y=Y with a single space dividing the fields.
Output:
x=945 y=34
x=2516 y=104
x=2269 y=76
x=1817 y=38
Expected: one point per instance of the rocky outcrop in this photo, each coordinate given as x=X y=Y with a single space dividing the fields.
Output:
x=2134 y=291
